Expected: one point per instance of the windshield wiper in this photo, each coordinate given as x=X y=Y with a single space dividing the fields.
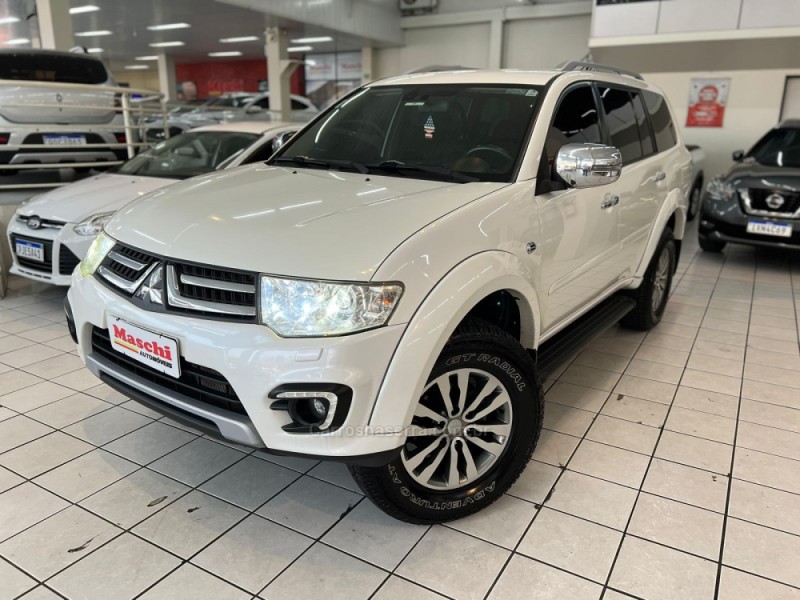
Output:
x=396 y=165
x=305 y=161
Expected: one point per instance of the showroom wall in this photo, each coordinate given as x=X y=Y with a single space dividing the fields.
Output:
x=754 y=104
x=538 y=43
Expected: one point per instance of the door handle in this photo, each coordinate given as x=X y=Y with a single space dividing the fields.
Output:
x=609 y=201
x=660 y=176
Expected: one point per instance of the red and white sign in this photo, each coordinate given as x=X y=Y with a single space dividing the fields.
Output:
x=707 y=100
x=152 y=349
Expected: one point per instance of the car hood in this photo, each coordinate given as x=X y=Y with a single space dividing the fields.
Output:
x=751 y=174
x=99 y=194
x=296 y=222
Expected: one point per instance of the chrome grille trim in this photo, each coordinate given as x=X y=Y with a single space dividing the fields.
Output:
x=744 y=194
x=128 y=262
x=175 y=299
x=124 y=284
x=218 y=285
x=45 y=223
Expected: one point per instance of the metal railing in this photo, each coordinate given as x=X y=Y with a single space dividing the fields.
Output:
x=133 y=104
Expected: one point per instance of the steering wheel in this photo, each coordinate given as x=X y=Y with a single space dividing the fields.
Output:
x=490 y=154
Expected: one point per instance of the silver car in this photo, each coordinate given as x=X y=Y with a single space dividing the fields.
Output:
x=71 y=133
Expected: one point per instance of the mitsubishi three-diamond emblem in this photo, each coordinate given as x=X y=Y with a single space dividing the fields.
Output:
x=153 y=287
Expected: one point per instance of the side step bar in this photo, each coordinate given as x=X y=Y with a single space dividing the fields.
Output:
x=568 y=342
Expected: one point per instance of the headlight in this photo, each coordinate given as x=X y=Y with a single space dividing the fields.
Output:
x=93 y=225
x=720 y=190
x=299 y=308
x=101 y=246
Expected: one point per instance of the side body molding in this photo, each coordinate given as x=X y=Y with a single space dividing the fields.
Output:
x=436 y=319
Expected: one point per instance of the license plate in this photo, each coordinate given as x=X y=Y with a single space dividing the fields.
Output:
x=157 y=351
x=29 y=250
x=64 y=140
x=768 y=228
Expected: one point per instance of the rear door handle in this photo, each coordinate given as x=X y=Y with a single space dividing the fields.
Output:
x=660 y=176
x=609 y=202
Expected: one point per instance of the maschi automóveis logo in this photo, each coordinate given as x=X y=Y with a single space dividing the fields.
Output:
x=151 y=350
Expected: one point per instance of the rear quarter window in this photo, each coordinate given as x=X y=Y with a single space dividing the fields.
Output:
x=663 y=127
x=22 y=66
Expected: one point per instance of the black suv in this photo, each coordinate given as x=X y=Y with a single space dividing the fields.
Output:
x=757 y=201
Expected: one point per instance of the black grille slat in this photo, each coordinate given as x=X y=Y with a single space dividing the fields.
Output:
x=210 y=294
x=35 y=265
x=758 y=200
x=197 y=382
x=67 y=261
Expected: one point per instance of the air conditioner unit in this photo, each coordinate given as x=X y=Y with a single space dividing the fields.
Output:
x=417 y=6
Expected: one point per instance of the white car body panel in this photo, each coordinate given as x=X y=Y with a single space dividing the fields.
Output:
x=450 y=245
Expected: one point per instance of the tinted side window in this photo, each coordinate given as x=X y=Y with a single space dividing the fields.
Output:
x=23 y=66
x=621 y=123
x=648 y=147
x=576 y=121
x=663 y=128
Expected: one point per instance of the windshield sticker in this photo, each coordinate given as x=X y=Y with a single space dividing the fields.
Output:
x=532 y=93
x=429 y=128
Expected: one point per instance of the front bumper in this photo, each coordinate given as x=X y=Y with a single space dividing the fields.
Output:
x=63 y=249
x=725 y=221
x=255 y=362
x=36 y=152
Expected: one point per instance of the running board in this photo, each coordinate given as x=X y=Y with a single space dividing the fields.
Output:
x=568 y=342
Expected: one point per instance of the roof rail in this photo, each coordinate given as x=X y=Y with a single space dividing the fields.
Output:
x=576 y=65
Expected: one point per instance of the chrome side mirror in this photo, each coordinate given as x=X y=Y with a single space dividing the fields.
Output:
x=253 y=109
x=281 y=139
x=588 y=165
x=738 y=155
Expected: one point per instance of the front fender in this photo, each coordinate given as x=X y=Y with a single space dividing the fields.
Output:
x=675 y=203
x=437 y=318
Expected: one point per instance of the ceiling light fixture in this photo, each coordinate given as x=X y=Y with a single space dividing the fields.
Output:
x=146 y=58
x=313 y=40
x=166 y=44
x=167 y=26
x=93 y=33
x=95 y=50
x=236 y=40
x=219 y=54
x=136 y=67
x=17 y=42
x=87 y=8
x=300 y=49
x=8 y=20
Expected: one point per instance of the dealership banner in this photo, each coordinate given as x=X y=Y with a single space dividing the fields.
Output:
x=707 y=100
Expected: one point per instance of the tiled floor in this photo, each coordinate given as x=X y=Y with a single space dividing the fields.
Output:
x=629 y=494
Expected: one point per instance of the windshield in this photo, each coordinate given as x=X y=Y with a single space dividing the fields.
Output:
x=189 y=154
x=457 y=132
x=779 y=148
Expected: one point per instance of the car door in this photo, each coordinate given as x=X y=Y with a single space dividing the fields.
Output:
x=580 y=226
x=643 y=186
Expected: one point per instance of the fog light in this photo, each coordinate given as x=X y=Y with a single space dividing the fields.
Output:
x=313 y=408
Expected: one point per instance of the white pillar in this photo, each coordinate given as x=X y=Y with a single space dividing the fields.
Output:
x=167 y=82
x=496 y=44
x=367 y=55
x=55 y=24
x=279 y=70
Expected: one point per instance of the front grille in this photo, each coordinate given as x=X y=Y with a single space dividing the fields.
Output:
x=35 y=265
x=755 y=202
x=67 y=261
x=47 y=223
x=186 y=288
x=197 y=382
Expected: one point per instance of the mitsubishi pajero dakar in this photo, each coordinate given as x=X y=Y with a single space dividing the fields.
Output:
x=387 y=290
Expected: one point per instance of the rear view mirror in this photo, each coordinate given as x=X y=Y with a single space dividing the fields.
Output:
x=738 y=155
x=588 y=165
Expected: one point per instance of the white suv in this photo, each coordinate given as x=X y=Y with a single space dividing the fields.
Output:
x=388 y=289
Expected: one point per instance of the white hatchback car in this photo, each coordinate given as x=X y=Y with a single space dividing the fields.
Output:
x=51 y=233
x=390 y=289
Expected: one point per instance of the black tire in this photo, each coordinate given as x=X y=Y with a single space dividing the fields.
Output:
x=695 y=199
x=708 y=245
x=476 y=346
x=650 y=304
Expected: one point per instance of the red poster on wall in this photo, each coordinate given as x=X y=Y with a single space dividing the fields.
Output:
x=707 y=100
